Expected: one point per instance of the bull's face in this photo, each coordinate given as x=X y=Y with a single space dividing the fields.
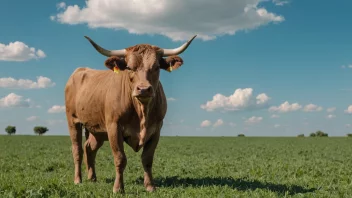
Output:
x=143 y=63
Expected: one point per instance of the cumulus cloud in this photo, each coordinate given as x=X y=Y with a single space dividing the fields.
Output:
x=178 y=20
x=276 y=126
x=330 y=116
x=349 y=109
x=331 y=109
x=32 y=118
x=312 y=107
x=14 y=100
x=42 y=82
x=171 y=99
x=56 y=109
x=205 y=123
x=18 y=51
x=253 y=120
x=61 y=5
x=285 y=107
x=219 y=122
x=241 y=99
x=346 y=66
x=280 y=2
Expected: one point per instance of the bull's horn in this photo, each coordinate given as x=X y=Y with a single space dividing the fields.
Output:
x=119 y=53
x=179 y=50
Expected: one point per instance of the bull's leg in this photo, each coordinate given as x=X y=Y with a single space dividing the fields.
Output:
x=77 y=151
x=120 y=160
x=91 y=146
x=147 y=161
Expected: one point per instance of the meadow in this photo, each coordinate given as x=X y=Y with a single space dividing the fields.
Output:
x=41 y=166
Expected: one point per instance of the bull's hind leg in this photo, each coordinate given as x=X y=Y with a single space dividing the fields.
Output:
x=77 y=151
x=91 y=146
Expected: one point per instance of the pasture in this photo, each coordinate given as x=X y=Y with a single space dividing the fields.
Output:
x=41 y=166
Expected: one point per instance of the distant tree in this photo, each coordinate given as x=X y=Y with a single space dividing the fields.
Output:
x=241 y=135
x=10 y=130
x=321 y=134
x=300 y=135
x=40 y=130
x=349 y=134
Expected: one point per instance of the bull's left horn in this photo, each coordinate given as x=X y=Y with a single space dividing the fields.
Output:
x=108 y=53
x=179 y=50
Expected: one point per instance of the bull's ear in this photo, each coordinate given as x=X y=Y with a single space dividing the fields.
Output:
x=115 y=61
x=171 y=63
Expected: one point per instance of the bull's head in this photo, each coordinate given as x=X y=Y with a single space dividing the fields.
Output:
x=143 y=63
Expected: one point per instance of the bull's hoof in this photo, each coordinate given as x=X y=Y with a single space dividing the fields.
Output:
x=78 y=181
x=150 y=188
x=92 y=179
x=118 y=191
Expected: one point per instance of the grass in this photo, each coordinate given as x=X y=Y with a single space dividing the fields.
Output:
x=32 y=166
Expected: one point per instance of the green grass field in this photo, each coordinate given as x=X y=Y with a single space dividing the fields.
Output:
x=33 y=166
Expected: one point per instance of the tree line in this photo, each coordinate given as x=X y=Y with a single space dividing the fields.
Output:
x=39 y=130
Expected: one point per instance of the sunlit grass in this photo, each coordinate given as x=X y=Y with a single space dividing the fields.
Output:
x=33 y=166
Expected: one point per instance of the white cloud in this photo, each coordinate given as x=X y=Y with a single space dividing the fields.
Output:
x=254 y=119
x=346 y=66
x=219 y=122
x=274 y=116
x=205 y=123
x=285 y=107
x=56 y=109
x=331 y=109
x=312 y=107
x=232 y=124
x=349 y=109
x=178 y=20
x=280 y=2
x=171 y=99
x=331 y=116
x=348 y=125
x=32 y=118
x=276 y=126
x=14 y=100
x=42 y=82
x=241 y=99
x=61 y=5
x=18 y=51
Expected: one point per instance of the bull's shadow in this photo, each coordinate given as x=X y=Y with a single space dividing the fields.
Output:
x=240 y=184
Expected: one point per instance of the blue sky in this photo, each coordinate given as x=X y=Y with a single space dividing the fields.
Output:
x=288 y=60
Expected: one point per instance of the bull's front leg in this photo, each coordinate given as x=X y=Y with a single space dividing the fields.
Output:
x=147 y=160
x=120 y=160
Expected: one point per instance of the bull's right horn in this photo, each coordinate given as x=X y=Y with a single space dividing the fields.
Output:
x=108 y=53
x=179 y=50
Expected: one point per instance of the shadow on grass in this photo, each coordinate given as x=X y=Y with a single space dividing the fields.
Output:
x=239 y=184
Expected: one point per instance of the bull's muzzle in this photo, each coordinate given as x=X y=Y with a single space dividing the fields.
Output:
x=144 y=93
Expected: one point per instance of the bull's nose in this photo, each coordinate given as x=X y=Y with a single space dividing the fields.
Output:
x=144 y=90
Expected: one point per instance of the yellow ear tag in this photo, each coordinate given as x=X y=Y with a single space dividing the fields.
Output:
x=169 y=69
x=116 y=69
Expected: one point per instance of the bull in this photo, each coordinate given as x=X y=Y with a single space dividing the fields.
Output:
x=125 y=103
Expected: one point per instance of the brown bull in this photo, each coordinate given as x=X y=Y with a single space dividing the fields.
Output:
x=127 y=105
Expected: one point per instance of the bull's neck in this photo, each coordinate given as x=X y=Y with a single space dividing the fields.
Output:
x=143 y=111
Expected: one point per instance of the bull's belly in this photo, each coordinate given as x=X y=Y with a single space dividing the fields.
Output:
x=132 y=137
x=131 y=134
